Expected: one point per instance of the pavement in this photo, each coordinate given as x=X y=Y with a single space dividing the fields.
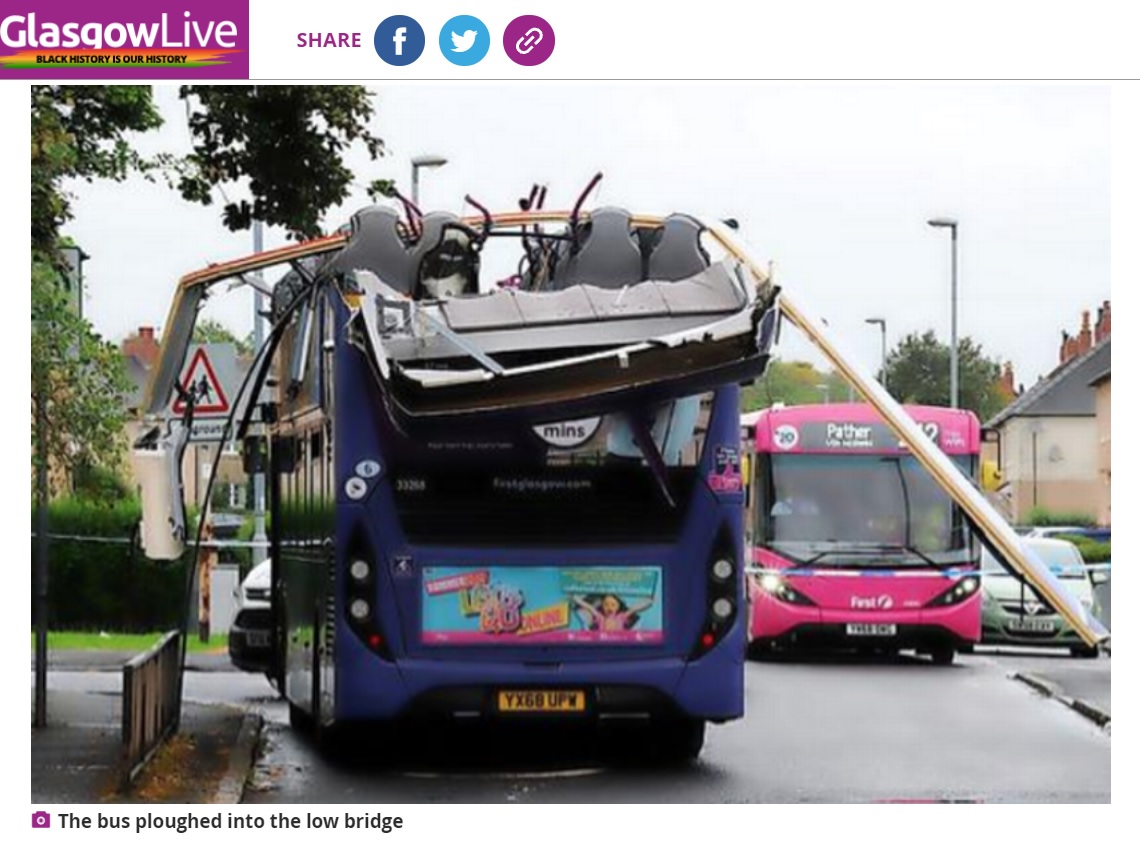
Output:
x=77 y=758
x=112 y=660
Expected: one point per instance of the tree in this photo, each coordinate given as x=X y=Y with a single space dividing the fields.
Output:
x=287 y=141
x=78 y=381
x=793 y=383
x=81 y=131
x=211 y=330
x=918 y=371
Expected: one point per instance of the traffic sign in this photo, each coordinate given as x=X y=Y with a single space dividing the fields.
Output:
x=201 y=382
x=212 y=375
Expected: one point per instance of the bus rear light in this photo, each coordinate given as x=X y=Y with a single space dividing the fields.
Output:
x=722 y=609
x=359 y=610
x=360 y=595
x=722 y=594
x=960 y=592
x=722 y=570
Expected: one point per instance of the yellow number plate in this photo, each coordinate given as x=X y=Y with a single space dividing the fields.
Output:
x=541 y=701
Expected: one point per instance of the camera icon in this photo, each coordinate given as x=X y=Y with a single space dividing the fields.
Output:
x=41 y=818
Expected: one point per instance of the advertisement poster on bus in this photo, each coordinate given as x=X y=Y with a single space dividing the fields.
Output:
x=540 y=605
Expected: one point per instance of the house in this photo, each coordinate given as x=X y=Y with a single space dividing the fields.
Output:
x=1051 y=444
x=1102 y=387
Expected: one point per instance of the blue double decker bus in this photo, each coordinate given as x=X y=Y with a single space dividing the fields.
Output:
x=578 y=557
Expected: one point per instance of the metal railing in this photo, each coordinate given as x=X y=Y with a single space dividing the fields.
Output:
x=151 y=703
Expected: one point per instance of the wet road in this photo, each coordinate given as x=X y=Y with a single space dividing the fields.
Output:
x=820 y=730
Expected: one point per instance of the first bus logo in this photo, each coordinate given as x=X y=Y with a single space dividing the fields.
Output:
x=63 y=38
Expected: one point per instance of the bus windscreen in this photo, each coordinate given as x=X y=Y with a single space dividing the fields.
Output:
x=862 y=510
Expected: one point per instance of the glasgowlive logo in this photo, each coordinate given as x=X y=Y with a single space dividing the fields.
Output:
x=131 y=38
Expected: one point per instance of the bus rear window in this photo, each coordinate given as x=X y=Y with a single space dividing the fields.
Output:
x=575 y=481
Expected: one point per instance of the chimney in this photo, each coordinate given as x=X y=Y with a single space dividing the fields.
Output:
x=1006 y=381
x=1103 y=323
x=1084 y=338
x=142 y=346
x=1066 y=344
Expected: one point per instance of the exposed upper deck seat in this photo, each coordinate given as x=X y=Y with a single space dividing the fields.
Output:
x=377 y=243
x=608 y=255
x=675 y=252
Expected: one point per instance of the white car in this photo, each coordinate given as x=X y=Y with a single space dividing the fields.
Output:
x=1012 y=613
x=251 y=641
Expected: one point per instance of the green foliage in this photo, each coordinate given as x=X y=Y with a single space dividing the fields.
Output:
x=106 y=586
x=100 y=484
x=287 y=141
x=1040 y=516
x=794 y=383
x=81 y=131
x=211 y=330
x=918 y=371
x=100 y=641
x=1093 y=552
x=77 y=379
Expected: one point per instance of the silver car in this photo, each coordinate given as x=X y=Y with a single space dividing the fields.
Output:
x=1012 y=613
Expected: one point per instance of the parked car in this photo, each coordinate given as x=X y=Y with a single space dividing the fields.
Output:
x=251 y=645
x=1103 y=534
x=1012 y=613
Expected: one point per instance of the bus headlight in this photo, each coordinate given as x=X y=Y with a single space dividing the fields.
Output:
x=774 y=584
x=960 y=592
x=359 y=570
x=771 y=582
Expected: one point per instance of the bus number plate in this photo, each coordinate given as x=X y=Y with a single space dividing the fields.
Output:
x=872 y=629
x=542 y=701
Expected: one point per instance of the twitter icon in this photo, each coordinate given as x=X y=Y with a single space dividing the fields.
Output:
x=464 y=40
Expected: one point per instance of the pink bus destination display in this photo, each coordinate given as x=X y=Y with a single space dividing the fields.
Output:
x=539 y=605
x=830 y=428
x=129 y=39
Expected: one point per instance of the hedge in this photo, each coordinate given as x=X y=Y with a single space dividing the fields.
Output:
x=1093 y=552
x=107 y=586
x=1040 y=516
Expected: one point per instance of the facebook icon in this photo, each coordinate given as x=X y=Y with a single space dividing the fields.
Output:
x=399 y=40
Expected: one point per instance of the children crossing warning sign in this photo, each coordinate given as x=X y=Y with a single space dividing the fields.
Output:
x=201 y=383
x=212 y=375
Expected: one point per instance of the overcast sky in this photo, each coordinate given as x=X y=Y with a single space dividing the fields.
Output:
x=832 y=182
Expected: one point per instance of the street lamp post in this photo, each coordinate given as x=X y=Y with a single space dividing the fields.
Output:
x=952 y=224
x=260 y=539
x=882 y=323
x=428 y=162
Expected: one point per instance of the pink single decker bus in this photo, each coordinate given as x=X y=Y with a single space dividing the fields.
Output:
x=853 y=544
